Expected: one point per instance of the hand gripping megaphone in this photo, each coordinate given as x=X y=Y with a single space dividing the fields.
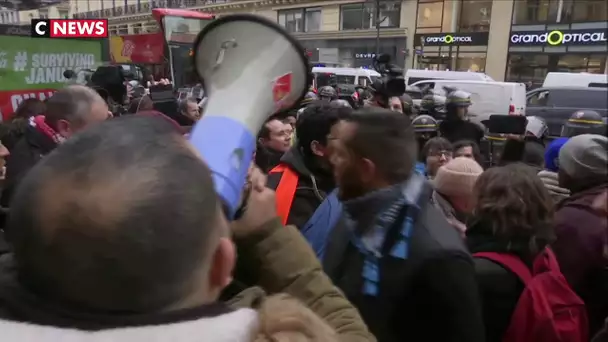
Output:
x=250 y=68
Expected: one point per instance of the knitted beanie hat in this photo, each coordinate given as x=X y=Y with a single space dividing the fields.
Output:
x=457 y=177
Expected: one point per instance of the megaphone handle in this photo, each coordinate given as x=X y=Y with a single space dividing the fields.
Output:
x=243 y=207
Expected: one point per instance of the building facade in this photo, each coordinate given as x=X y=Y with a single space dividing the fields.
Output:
x=513 y=40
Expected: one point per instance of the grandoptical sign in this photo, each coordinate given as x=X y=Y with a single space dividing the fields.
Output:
x=559 y=37
x=447 y=39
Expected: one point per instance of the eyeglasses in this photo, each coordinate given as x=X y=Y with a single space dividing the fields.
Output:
x=444 y=153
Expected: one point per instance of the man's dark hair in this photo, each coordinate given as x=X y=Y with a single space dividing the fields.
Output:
x=183 y=104
x=435 y=144
x=116 y=219
x=315 y=122
x=264 y=132
x=466 y=143
x=72 y=103
x=386 y=138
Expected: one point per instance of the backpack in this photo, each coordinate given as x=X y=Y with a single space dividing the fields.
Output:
x=319 y=226
x=548 y=309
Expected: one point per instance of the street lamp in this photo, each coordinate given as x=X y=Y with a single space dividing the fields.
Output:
x=378 y=22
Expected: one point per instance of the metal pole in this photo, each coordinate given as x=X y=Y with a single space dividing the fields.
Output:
x=377 y=28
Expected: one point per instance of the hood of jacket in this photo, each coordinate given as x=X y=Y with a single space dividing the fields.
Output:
x=235 y=326
x=294 y=158
x=583 y=199
x=322 y=179
x=249 y=317
x=26 y=317
x=551 y=183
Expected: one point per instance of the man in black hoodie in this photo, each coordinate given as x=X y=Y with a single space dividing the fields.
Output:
x=303 y=177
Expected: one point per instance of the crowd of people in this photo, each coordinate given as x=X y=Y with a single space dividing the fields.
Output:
x=370 y=224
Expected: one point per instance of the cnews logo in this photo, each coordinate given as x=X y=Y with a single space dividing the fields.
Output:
x=449 y=39
x=558 y=37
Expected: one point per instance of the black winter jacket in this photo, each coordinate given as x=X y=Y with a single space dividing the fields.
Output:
x=24 y=155
x=313 y=186
x=431 y=296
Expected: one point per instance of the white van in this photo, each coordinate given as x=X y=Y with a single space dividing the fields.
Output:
x=414 y=75
x=571 y=79
x=487 y=98
x=362 y=77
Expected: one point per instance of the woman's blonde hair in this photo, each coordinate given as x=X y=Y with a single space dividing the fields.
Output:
x=514 y=201
x=285 y=319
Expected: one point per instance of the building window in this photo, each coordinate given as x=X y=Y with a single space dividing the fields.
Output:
x=475 y=15
x=430 y=14
x=362 y=16
x=123 y=29
x=312 y=20
x=559 y=11
x=301 y=19
x=589 y=10
x=138 y=28
x=63 y=14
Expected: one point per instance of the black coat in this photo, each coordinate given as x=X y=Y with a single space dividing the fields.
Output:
x=313 y=186
x=25 y=154
x=431 y=296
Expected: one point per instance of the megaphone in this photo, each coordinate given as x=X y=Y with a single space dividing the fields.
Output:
x=250 y=69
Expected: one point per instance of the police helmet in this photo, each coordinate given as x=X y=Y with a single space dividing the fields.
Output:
x=458 y=98
x=340 y=104
x=584 y=122
x=407 y=103
x=309 y=98
x=328 y=91
x=425 y=124
x=432 y=103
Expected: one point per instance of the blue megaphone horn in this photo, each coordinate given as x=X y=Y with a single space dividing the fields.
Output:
x=250 y=68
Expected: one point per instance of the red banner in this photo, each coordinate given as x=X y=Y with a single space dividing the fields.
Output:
x=137 y=48
x=10 y=100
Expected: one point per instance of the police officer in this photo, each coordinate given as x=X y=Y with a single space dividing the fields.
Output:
x=338 y=103
x=327 y=93
x=433 y=105
x=408 y=105
x=457 y=126
x=584 y=122
x=425 y=128
x=308 y=99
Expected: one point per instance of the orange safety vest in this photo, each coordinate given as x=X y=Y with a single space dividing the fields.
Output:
x=285 y=191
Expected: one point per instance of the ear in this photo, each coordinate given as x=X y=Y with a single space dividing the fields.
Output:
x=367 y=170
x=64 y=128
x=317 y=149
x=222 y=265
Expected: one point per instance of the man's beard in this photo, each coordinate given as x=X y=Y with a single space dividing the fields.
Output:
x=350 y=185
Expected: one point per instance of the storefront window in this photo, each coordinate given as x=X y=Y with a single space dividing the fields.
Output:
x=301 y=19
x=454 y=60
x=532 y=68
x=430 y=14
x=471 y=61
x=362 y=16
x=475 y=15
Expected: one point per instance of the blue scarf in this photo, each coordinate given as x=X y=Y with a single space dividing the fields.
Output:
x=369 y=218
